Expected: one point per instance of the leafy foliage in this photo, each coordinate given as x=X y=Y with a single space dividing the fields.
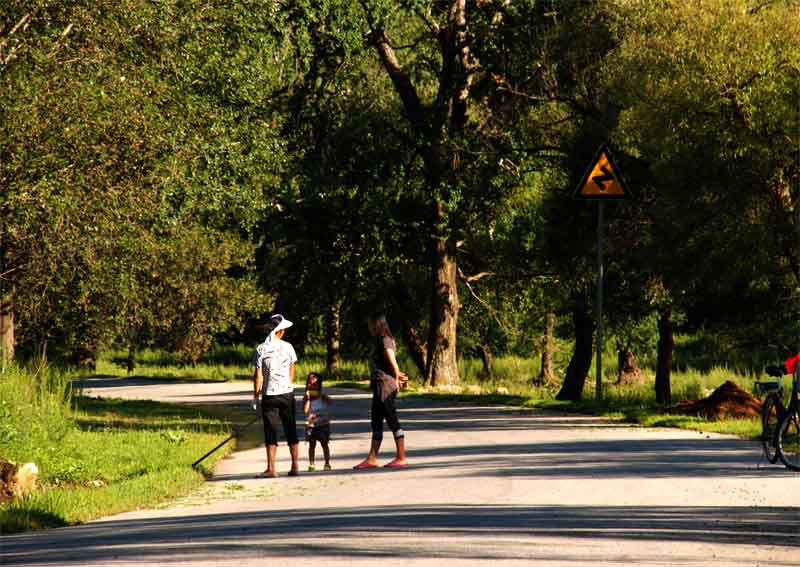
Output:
x=129 y=187
x=709 y=100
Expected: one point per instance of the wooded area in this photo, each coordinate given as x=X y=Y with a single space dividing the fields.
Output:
x=172 y=171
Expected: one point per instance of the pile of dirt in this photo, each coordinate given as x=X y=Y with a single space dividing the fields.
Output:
x=727 y=401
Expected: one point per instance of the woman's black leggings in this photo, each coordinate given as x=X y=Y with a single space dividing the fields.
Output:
x=273 y=407
x=384 y=410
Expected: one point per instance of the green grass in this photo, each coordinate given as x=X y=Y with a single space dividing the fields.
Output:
x=632 y=404
x=163 y=365
x=220 y=365
x=96 y=457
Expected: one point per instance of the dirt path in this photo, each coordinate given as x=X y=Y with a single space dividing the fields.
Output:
x=487 y=485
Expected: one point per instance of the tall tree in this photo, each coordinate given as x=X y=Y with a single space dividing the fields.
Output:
x=456 y=126
x=117 y=156
x=710 y=98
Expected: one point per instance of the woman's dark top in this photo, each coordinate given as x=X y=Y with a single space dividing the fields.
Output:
x=381 y=379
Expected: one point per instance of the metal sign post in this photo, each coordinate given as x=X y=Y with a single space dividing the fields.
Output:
x=602 y=182
x=598 y=384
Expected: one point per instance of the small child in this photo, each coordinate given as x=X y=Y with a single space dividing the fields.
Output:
x=316 y=406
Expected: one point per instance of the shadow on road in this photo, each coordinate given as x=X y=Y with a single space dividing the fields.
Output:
x=341 y=531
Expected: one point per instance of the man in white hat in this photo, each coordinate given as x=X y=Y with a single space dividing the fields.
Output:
x=273 y=382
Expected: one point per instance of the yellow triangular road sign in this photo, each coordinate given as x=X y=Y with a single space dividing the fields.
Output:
x=602 y=180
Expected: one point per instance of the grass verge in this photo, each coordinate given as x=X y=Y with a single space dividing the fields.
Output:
x=95 y=456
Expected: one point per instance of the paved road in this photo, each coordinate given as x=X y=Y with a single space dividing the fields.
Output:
x=487 y=486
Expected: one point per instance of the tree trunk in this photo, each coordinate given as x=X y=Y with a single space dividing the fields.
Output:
x=628 y=371
x=666 y=346
x=7 y=340
x=546 y=373
x=442 y=366
x=333 y=336
x=578 y=368
x=84 y=356
x=441 y=165
x=486 y=358
x=131 y=362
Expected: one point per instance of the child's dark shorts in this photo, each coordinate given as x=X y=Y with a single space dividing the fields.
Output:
x=321 y=433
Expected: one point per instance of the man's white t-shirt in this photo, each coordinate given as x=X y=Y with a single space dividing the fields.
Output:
x=275 y=359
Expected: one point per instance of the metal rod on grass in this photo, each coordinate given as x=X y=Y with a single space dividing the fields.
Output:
x=232 y=435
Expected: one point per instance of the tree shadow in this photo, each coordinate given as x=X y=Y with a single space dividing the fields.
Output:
x=355 y=532
x=103 y=413
x=16 y=518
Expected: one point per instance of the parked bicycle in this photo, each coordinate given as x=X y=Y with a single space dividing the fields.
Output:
x=772 y=410
x=780 y=423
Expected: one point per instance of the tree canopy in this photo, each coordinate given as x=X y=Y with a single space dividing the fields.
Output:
x=172 y=171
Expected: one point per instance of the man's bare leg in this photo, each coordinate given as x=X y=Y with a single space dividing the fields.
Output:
x=294 y=450
x=271 y=452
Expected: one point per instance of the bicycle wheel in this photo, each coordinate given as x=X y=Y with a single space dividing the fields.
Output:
x=789 y=440
x=771 y=413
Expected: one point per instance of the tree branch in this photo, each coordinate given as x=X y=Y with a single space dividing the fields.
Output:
x=475 y=277
x=464 y=72
x=4 y=60
x=488 y=307
x=400 y=79
x=458 y=69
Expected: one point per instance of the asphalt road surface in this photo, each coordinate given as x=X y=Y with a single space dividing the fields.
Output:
x=485 y=486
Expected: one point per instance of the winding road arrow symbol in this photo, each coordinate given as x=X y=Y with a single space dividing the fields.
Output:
x=603 y=180
x=600 y=180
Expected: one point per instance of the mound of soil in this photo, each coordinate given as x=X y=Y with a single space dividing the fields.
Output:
x=727 y=401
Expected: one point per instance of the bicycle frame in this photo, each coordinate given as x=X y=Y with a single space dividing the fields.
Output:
x=789 y=424
x=772 y=411
x=793 y=398
x=768 y=387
